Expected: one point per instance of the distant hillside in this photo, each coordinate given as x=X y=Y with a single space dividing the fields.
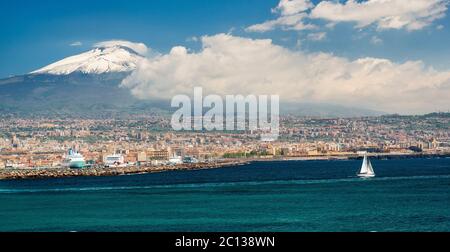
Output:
x=99 y=95
x=325 y=110
x=74 y=94
x=429 y=115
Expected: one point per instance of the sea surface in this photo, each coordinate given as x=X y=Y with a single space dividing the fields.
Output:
x=406 y=195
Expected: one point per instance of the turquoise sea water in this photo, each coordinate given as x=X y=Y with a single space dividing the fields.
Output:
x=407 y=195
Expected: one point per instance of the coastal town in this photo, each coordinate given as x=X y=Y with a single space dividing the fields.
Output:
x=147 y=143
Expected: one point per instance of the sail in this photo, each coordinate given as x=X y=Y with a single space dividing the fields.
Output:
x=370 y=169
x=364 y=167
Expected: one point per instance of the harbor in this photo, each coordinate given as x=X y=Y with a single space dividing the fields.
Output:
x=127 y=169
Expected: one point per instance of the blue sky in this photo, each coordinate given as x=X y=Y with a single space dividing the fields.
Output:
x=36 y=33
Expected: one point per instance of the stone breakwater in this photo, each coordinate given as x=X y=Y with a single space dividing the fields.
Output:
x=111 y=171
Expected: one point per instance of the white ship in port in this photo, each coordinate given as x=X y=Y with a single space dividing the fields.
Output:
x=115 y=160
x=74 y=160
x=175 y=160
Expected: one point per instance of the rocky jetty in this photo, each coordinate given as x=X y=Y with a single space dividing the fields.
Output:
x=111 y=171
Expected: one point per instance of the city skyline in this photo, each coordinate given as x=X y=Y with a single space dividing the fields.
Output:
x=44 y=142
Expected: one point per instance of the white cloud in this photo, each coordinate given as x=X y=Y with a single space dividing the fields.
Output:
x=386 y=14
x=234 y=65
x=137 y=47
x=291 y=7
x=76 y=43
x=319 y=36
x=192 y=39
x=291 y=22
x=376 y=40
x=292 y=14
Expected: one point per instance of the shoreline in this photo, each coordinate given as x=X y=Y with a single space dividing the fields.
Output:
x=46 y=173
x=354 y=156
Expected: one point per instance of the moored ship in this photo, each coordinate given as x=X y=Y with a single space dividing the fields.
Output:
x=74 y=160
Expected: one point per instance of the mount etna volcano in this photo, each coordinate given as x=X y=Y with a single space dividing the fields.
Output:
x=84 y=84
x=88 y=84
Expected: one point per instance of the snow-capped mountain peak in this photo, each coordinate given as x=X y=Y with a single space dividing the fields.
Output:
x=104 y=59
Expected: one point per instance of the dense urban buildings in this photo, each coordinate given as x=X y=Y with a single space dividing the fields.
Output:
x=137 y=140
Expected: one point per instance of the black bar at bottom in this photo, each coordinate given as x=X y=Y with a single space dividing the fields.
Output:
x=225 y=241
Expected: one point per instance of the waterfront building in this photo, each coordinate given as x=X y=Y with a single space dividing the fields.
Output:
x=153 y=154
x=142 y=156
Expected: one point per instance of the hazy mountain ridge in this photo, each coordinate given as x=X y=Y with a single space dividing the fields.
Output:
x=41 y=93
x=100 y=94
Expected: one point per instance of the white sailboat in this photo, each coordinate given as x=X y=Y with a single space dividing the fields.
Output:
x=366 y=169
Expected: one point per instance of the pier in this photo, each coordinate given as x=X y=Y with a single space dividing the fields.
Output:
x=42 y=173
